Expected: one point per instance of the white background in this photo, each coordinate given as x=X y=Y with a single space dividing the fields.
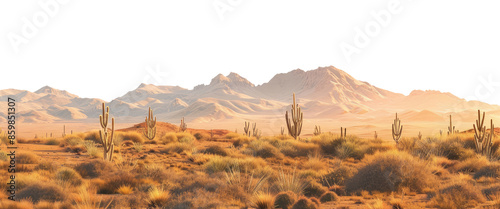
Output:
x=103 y=49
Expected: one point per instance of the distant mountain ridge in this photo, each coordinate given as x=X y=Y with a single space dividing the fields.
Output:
x=324 y=92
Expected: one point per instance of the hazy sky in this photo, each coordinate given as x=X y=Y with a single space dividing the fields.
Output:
x=105 y=48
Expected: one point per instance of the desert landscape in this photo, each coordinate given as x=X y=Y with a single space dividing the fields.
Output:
x=303 y=140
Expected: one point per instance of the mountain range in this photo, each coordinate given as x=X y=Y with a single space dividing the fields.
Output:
x=325 y=94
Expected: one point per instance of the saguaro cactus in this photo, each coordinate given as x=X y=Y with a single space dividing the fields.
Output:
x=104 y=136
x=150 y=131
x=419 y=135
x=294 y=123
x=255 y=131
x=397 y=129
x=343 y=132
x=183 y=125
x=482 y=139
x=64 y=131
x=317 y=130
x=247 y=128
x=375 y=136
x=451 y=128
x=282 y=131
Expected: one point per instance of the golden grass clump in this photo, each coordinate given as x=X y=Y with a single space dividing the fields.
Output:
x=263 y=200
x=158 y=198
x=457 y=195
x=125 y=189
x=69 y=176
x=285 y=200
x=218 y=164
x=391 y=171
x=27 y=158
x=169 y=138
x=132 y=136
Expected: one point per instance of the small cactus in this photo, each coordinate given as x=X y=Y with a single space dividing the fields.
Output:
x=375 y=136
x=317 y=130
x=451 y=128
x=397 y=129
x=282 y=131
x=183 y=125
x=255 y=131
x=294 y=123
x=343 y=133
x=150 y=124
x=247 y=128
x=419 y=135
x=482 y=139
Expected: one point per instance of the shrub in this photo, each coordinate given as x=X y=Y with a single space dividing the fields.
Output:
x=452 y=149
x=216 y=150
x=169 y=138
x=263 y=200
x=329 y=197
x=69 y=175
x=294 y=148
x=471 y=164
x=72 y=140
x=52 y=141
x=185 y=137
x=93 y=169
x=113 y=183
x=304 y=203
x=328 y=143
x=350 y=149
x=27 y=158
x=132 y=136
x=198 y=136
x=22 y=204
x=232 y=136
x=177 y=148
x=218 y=164
x=263 y=149
x=46 y=165
x=285 y=200
x=457 y=195
x=93 y=136
x=91 y=149
x=492 y=170
x=157 y=198
x=290 y=182
x=314 y=189
x=138 y=146
x=240 y=141
x=125 y=189
x=42 y=191
x=390 y=171
x=338 y=175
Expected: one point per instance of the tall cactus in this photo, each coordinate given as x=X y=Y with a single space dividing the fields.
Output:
x=282 y=131
x=451 y=128
x=317 y=130
x=104 y=136
x=482 y=139
x=183 y=126
x=294 y=123
x=247 y=128
x=419 y=135
x=255 y=131
x=397 y=129
x=150 y=131
x=343 y=133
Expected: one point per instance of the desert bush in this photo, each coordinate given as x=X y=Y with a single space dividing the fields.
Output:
x=338 y=176
x=125 y=189
x=91 y=149
x=132 y=136
x=68 y=175
x=216 y=150
x=263 y=200
x=218 y=164
x=46 y=165
x=94 y=168
x=263 y=149
x=471 y=164
x=492 y=170
x=241 y=140
x=315 y=162
x=138 y=146
x=176 y=147
x=390 y=171
x=350 y=149
x=290 y=181
x=453 y=149
x=42 y=191
x=169 y=138
x=285 y=200
x=314 y=189
x=157 y=198
x=114 y=182
x=294 y=148
x=457 y=195
x=72 y=140
x=154 y=171
x=27 y=158
x=93 y=136
x=43 y=204
x=185 y=137
x=304 y=203
x=52 y=141
x=232 y=136
x=329 y=197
